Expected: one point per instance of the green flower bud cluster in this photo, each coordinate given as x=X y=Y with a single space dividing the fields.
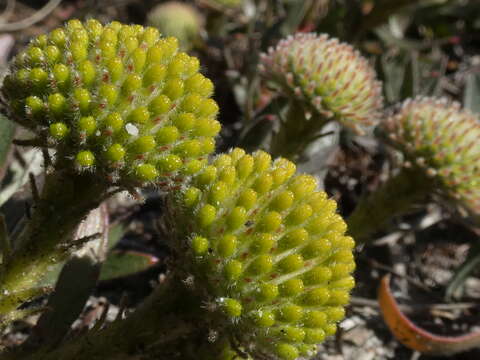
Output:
x=177 y=19
x=331 y=77
x=268 y=251
x=440 y=139
x=116 y=100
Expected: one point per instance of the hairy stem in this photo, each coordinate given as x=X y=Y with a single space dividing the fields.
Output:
x=167 y=325
x=64 y=201
x=395 y=197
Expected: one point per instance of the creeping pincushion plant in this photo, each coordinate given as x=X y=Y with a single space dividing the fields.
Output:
x=262 y=266
x=115 y=107
x=438 y=141
x=266 y=252
x=251 y=260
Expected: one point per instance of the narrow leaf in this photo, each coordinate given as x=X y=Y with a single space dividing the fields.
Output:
x=7 y=131
x=463 y=272
x=120 y=263
x=472 y=92
x=5 y=247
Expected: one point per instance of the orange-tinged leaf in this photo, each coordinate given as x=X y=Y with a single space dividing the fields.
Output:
x=416 y=338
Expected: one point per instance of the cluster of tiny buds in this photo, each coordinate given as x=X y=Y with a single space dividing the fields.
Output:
x=117 y=100
x=332 y=77
x=441 y=138
x=269 y=250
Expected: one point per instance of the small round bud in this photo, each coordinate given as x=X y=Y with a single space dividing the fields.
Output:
x=146 y=172
x=184 y=121
x=174 y=89
x=232 y=307
x=206 y=216
x=290 y=313
x=282 y=201
x=291 y=288
x=200 y=245
x=191 y=196
x=267 y=292
x=58 y=130
x=85 y=158
x=83 y=98
x=287 y=351
x=144 y=144
x=87 y=124
x=167 y=135
x=169 y=163
x=116 y=152
x=236 y=218
x=233 y=270
x=114 y=121
x=247 y=199
x=264 y=318
x=261 y=265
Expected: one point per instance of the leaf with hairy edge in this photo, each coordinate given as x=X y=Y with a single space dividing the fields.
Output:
x=416 y=338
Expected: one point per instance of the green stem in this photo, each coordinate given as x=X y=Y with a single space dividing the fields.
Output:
x=395 y=197
x=295 y=132
x=65 y=200
x=169 y=324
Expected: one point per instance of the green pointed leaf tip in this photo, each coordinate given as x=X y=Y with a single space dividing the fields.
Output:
x=441 y=139
x=116 y=100
x=269 y=249
x=330 y=76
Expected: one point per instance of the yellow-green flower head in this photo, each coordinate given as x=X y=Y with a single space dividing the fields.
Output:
x=177 y=19
x=440 y=138
x=331 y=77
x=116 y=100
x=269 y=252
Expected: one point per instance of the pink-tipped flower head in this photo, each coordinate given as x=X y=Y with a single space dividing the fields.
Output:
x=332 y=77
x=440 y=138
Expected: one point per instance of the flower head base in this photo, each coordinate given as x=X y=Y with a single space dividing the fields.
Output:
x=439 y=137
x=268 y=251
x=116 y=100
x=331 y=77
x=177 y=19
